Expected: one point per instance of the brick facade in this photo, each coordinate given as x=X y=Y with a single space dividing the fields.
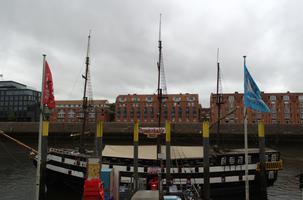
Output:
x=71 y=111
x=286 y=108
x=175 y=107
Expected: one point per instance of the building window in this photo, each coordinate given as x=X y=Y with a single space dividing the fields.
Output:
x=124 y=112
x=91 y=115
x=81 y=115
x=273 y=110
x=176 y=99
x=145 y=113
x=138 y=114
x=286 y=98
x=151 y=112
x=286 y=110
x=300 y=98
x=165 y=113
x=71 y=114
x=61 y=114
x=173 y=113
x=187 y=112
x=149 y=99
x=122 y=99
x=135 y=99
x=272 y=98
x=118 y=113
x=191 y=98
x=231 y=101
x=180 y=112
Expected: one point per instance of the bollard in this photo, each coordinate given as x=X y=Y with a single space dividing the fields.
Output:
x=99 y=141
x=136 y=143
x=263 y=184
x=206 y=175
x=168 y=159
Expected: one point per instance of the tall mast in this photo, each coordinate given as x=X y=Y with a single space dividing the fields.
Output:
x=84 y=100
x=219 y=97
x=159 y=90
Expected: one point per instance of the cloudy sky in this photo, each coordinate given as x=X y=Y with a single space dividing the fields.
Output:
x=124 y=44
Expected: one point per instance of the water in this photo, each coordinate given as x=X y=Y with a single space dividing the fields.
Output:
x=17 y=174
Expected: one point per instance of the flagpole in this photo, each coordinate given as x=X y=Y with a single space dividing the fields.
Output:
x=40 y=178
x=246 y=148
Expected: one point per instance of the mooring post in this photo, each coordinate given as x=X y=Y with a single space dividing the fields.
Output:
x=263 y=184
x=206 y=176
x=168 y=144
x=43 y=154
x=136 y=143
x=99 y=140
x=301 y=183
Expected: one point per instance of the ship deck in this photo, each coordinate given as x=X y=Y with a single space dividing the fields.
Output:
x=177 y=152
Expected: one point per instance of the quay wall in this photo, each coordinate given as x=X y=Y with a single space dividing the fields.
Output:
x=117 y=132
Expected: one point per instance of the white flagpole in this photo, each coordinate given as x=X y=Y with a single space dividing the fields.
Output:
x=246 y=155
x=246 y=147
x=38 y=174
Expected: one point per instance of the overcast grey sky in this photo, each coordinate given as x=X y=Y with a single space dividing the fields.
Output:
x=124 y=44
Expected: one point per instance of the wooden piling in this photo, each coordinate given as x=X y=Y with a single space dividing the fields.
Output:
x=168 y=158
x=263 y=184
x=136 y=143
x=99 y=141
x=206 y=184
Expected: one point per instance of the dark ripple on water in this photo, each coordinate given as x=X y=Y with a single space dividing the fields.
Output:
x=17 y=175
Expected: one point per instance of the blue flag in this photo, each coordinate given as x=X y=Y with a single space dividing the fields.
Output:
x=252 y=96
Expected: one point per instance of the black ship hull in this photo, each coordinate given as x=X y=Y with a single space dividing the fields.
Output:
x=66 y=168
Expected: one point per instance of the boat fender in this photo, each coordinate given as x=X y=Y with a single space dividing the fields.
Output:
x=93 y=190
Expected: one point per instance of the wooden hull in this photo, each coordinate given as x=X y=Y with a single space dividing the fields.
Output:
x=68 y=170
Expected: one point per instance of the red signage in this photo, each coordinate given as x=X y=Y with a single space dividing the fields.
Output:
x=153 y=170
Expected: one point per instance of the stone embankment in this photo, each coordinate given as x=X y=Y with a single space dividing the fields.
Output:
x=182 y=133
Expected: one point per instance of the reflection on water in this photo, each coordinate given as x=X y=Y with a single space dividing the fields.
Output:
x=17 y=175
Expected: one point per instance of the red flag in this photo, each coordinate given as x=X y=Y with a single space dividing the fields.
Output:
x=48 y=90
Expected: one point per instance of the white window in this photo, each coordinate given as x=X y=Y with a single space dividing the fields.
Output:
x=91 y=115
x=272 y=98
x=286 y=98
x=122 y=99
x=81 y=115
x=301 y=98
x=231 y=100
x=61 y=114
x=286 y=108
x=232 y=160
x=135 y=99
x=177 y=99
x=191 y=98
x=273 y=107
x=71 y=114
x=149 y=99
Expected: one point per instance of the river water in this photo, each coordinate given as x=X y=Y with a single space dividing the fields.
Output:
x=17 y=174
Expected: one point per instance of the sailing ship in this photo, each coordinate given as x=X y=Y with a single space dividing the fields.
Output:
x=68 y=167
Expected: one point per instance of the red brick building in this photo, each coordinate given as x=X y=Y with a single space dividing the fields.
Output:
x=71 y=111
x=175 y=107
x=286 y=108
